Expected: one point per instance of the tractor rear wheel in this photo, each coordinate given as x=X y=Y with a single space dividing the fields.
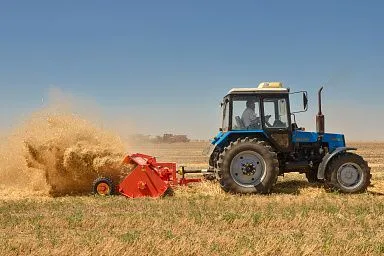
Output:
x=103 y=187
x=348 y=173
x=248 y=166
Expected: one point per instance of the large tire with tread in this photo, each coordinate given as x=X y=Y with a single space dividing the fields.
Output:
x=103 y=186
x=348 y=173
x=248 y=166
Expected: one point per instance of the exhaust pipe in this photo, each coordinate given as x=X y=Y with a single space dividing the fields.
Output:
x=320 y=125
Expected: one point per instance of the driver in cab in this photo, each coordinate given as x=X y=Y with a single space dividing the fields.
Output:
x=249 y=116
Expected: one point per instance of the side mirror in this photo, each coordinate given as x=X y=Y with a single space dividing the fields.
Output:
x=305 y=101
x=299 y=108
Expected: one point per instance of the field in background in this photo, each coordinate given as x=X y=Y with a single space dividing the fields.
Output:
x=297 y=219
x=191 y=154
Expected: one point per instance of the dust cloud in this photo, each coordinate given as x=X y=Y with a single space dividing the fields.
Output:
x=57 y=152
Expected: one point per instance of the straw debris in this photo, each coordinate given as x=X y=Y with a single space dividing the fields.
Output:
x=59 y=153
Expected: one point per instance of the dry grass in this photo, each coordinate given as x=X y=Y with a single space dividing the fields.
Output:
x=297 y=219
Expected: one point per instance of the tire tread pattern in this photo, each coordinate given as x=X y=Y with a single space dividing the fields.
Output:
x=265 y=150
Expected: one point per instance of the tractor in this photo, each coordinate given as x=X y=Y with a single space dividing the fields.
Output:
x=260 y=140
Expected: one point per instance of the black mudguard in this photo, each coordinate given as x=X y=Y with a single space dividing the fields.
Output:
x=327 y=158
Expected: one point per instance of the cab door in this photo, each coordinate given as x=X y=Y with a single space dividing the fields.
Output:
x=276 y=122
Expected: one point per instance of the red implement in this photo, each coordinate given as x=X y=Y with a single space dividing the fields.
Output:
x=149 y=178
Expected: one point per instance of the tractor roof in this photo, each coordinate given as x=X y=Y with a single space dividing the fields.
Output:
x=265 y=87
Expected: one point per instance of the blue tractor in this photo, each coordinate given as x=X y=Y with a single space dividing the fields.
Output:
x=260 y=140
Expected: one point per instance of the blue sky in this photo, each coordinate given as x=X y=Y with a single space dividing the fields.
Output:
x=163 y=66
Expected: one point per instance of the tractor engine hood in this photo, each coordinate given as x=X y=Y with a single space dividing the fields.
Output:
x=334 y=140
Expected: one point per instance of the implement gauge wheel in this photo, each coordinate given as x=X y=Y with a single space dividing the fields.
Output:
x=248 y=166
x=348 y=173
x=103 y=187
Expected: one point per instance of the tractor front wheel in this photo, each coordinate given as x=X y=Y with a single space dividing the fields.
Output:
x=348 y=173
x=248 y=166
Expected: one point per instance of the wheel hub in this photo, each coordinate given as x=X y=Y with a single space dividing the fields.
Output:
x=103 y=189
x=349 y=174
x=248 y=168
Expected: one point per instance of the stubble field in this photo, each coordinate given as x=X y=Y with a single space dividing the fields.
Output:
x=296 y=219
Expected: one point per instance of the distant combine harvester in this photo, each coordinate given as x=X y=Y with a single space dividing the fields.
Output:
x=165 y=138
x=171 y=138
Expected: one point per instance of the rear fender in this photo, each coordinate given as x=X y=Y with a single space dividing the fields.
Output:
x=230 y=136
x=327 y=158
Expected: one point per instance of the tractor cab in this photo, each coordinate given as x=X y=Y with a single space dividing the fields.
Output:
x=264 y=110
